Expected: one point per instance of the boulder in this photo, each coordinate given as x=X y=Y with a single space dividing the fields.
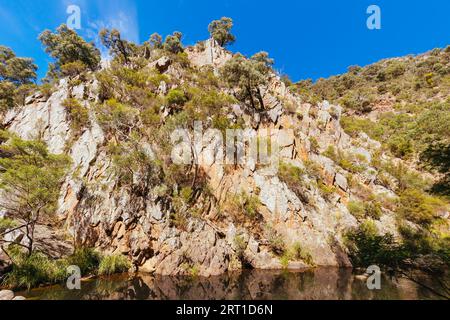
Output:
x=162 y=64
x=6 y=295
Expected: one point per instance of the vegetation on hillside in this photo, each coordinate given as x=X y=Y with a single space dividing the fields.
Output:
x=411 y=99
x=139 y=103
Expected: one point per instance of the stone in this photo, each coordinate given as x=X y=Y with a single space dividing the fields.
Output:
x=162 y=64
x=277 y=197
x=237 y=110
x=341 y=181
x=6 y=295
x=275 y=112
x=19 y=298
x=149 y=266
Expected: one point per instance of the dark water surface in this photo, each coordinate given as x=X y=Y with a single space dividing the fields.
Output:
x=320 y=283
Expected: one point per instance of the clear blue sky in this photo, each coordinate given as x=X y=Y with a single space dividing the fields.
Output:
x=307 y=39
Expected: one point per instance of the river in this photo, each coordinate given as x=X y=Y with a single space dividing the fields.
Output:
x=319 y=283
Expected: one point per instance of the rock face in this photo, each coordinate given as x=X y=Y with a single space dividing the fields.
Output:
x=99 y=212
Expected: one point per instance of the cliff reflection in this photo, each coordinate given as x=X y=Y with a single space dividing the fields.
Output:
x=319 y=283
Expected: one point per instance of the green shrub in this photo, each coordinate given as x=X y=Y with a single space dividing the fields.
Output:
x=87 y=259
x=117 y=118
x=46 y=90
x=276 y=242
x=327 y=191
x=300 y=253
x=176 y=97
x=369 y=209
x=367 y=248
x=112 y=264
x=296 y=253
x=417 y=206
x=246 y=204
x=314 y=145
x=31 y=271
x=7 y=223
x=293 y=177
x=79 y=115
x=240 y=245
x=73 y=69
x=356 y=208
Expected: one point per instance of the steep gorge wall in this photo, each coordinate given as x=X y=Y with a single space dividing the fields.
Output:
x=98 y=212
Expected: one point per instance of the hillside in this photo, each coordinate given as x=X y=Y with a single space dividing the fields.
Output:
x=341 y=186
x=402 y=102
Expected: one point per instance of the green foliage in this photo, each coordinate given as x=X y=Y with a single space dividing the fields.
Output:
x=46 y=90
x=367 y=248
x=87 y=259
x=356 y=208
x=69 y=50
x=30 y=179
x=117 y=118
x=246 y=204
x=156 y=41
x=208 y=102
x=131 y=160
x=7 y=94
x=360 y=101
x=16 y=77
x=112 y=264
x=78 y=114
x=248 y=75
x=417 y=206
x=314 y=145
x=15 y=70
x=176 y=97
x=173 y=44
x=296 y=253
x=327 y=191
x=119 y=48
x=406 y=178
x=276 y=241
x=362 y=210
x=7 y=223
x=220 y=31
x=293 y=177
x=73 y=69
x=240 y=245
x=29 y=271
x=409 y=80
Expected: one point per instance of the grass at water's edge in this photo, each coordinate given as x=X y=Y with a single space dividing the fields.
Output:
x=37 y=269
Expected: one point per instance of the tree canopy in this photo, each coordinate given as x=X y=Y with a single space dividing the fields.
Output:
x=173 y=43
x=220 y=31
x=67 y=47
x=118 y=47
x=248 y=75
x=14 y=69
x=30 y=179
x=16 y=76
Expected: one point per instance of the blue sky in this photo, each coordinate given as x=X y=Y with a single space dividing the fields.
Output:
x=307 y=39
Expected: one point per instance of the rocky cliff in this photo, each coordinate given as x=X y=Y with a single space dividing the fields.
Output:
x=309 y=214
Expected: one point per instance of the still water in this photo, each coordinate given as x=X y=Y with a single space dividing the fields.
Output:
x=320 y=283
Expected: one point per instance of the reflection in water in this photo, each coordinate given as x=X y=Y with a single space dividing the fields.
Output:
x=320 y=283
